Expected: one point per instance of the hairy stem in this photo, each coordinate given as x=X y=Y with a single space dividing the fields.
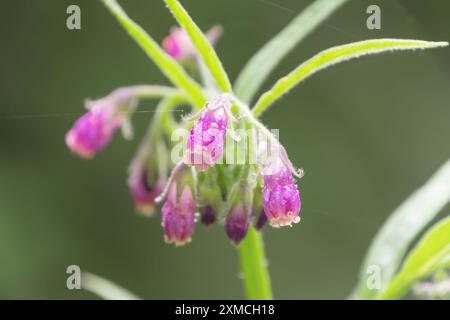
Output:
x=254 y=267
x=143 y=91
x=163 y=119
x=168 y=66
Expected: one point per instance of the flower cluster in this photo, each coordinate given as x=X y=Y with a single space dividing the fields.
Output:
x=201 y=185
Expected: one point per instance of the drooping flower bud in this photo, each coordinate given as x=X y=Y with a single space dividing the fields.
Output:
x=178 y=44
x=281 y=198
x=258 y=209
x=206 y=139
x=237 y=223
x=207 y=215
x=147 y=173
x=261 y=220
x=178 y=214
x=209 y=196
x=240 y=201
x=142 y=191
x=93 y=131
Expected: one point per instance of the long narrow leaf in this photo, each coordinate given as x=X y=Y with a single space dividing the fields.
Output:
x=390 y=244
x=202 y=44
x=333 y=56
x=105 y=289
x=168 y=66
x=431 y=253
x=269 y=56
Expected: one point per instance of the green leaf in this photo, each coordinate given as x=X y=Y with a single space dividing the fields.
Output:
x=105 y=289
x=168 y=66
x=404 y=224
x=269 y=56
x=333 y=56
x=431 y=253
x=202 y=44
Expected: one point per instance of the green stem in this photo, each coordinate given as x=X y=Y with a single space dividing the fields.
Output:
x=251 y=118
x=251 y=250
x=162 y=118
x=144 y=91
x=254 y=267
x=168 y=66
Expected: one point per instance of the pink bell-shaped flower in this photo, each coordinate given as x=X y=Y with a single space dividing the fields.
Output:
x=178 y=215
x=281 y=198
x=206 y=139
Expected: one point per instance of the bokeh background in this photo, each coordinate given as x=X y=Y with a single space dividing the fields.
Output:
x=367 y=133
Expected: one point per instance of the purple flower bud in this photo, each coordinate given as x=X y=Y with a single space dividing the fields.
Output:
x=237 y=223
x=281 y=198
x=208 y=216
x=207 y=137
x=143 y=194
x=261 y=221
x=92 y=131
x=178 y=44
x=178 y=217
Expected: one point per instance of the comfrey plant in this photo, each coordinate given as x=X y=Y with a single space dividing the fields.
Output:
x=229 y=168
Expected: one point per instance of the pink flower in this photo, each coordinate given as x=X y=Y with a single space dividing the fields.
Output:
x=178 y=216
x=92 y=131
x=281 y=198
x=178 y=44
x=142 y=192
x=206 y=139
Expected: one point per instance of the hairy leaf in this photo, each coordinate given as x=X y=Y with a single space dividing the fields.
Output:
x=269 y=56
x=431 y=253
x=105 y=289
x=333 y=56
x=390 y=244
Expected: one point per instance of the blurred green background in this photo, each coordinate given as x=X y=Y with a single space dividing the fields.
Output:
x=367 y=134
